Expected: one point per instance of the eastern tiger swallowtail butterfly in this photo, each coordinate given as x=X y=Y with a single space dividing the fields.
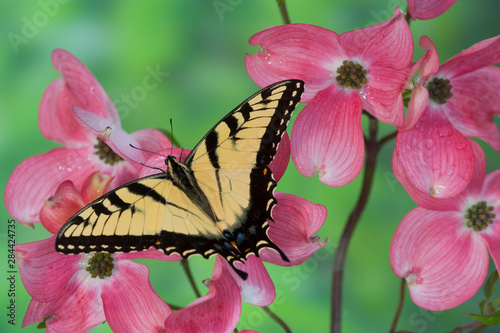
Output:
x=218 y=201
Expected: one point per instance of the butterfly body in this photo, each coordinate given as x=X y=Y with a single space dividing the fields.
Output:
x=218 y=201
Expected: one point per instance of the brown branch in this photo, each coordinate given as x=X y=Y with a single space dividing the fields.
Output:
x=372 y=149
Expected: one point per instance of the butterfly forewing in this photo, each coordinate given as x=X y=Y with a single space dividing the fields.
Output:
x=223 y=208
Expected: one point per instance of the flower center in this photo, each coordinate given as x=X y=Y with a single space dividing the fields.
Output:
x=105 y=153
x=439 y=90
x=100 y=265
x=351 y=75
x=478 y=216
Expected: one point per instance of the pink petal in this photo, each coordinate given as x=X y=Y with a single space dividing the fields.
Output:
x=491 y=235
x=156 y=162
x=482 y=54
x=443 y=262
x=426 y=200
x=77 y=87
x=474 y=103
x=382 y=94
x=428 y=9
x=295 y=51
x=112 y=134
x=79 y=298
x=59 y=208
x=37 y=178
x=151 y=253
x=44 y=272
x=416 y=106
x=296 y=222
x=430 y=60
x=258 y=288
x=282 y=158
x=428 y=65
x=388 y=44
x=218 y=311
x=327 y=138
x=151 y=140
x=94 y=187
x=130 y=302
x=435 y=157
x=491 y=189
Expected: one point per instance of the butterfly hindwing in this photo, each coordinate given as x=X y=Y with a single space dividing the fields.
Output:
x=219 y=201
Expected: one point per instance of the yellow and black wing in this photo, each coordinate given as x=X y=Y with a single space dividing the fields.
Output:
x=218 y=201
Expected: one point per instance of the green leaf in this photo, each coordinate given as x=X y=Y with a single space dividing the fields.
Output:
x=490 y=319
x=490 y=285
x=481 y=306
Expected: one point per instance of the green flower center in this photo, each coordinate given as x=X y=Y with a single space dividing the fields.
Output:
x=479 y=216
x=100 y=265
x=439 y=90
x=351 y=75
x=105 y=153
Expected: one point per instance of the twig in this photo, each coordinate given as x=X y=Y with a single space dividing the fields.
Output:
x=372 y=149
x=283 y=11
x=277 y=319
x=187 y=270
x=400 y=306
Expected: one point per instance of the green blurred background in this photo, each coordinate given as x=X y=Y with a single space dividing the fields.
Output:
x=201 y=44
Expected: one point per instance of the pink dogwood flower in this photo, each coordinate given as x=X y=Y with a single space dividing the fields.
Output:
x=93 y=141
x=98 y=287
x=428 y=9
x=441 y=247
x=450 y=103
x=343 y=74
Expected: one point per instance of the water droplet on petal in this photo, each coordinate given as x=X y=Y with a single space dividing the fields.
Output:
x=429 y=144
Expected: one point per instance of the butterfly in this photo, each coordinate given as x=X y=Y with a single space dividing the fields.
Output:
x=218 y=201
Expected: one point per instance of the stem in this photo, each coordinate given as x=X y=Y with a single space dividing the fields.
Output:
x=387 y=138
x=277 y=319
x=372 y=149
x=400 y=306
x=474 y=324
x=283 y=11
x=187 y=270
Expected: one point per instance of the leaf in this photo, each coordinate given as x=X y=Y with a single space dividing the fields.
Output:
x=481 y=306
x=490 y=319
x=490 y=285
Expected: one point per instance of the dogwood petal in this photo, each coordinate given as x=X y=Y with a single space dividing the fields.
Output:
x=430 y=60
x=435 y=157
x=388 y=44
x=151 y=253
x=428 y=9
x=416 y=106
x=327 y=138
x=112 y=134
x=426 y=200
x=79 y=298
x=443 y=262
x=130 y=302
x=37 y=178
x=428 y=65
x=77 y=87
x=280 y=162
x=59 y=208
x=218 y=311
x=382 y=95
x=45 y=272
x=296 y=222
x=474 y=103
x=258 y=288
x=482 y=54
x=151 y=140
x=295 y=51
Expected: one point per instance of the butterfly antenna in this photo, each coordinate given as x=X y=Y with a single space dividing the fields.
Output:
x=153 y=153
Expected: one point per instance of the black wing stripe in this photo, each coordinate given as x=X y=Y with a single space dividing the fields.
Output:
x=146 y=191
